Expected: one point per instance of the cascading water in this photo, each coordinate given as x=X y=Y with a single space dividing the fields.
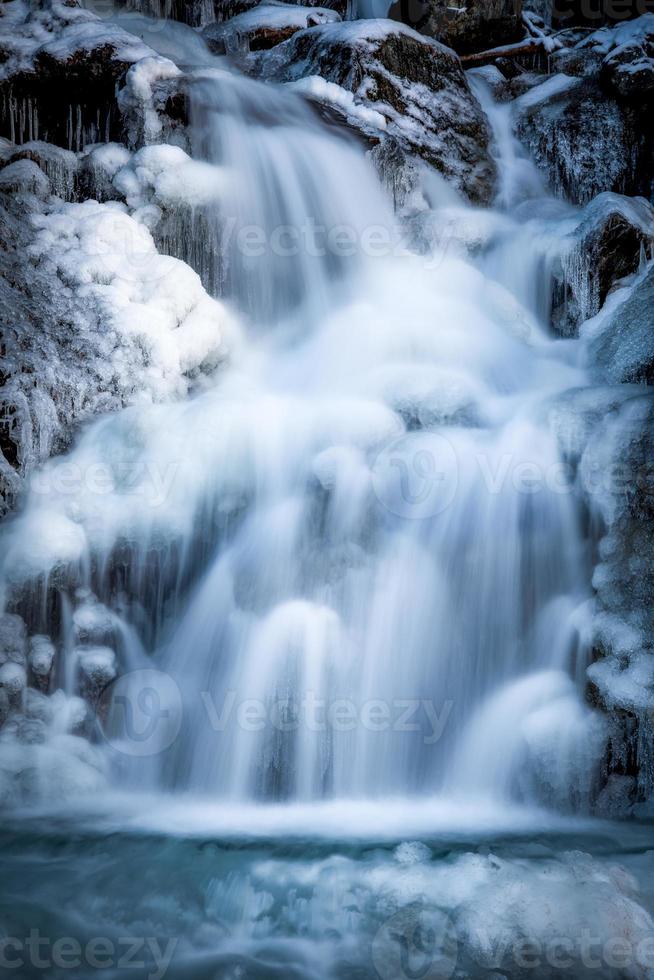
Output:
x=364 y=568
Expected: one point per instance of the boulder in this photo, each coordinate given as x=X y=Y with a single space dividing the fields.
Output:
x=612 y=240
x=607 y=433
x=584 y=140
x=13 y=679
x=399 y=86
x=264 y=26
x=473 y=25
x=59 y=74
x=100 y=320
x=59 y=79
x=59 y=166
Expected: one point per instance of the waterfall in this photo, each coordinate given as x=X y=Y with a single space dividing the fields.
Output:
x=354 y=560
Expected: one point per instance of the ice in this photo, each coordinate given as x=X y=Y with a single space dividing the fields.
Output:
x=25 y=176
x=142 y=299
x=329 y=93
x=97 y=664
x=13 y=678
x=13 y=639
x=276 y=21
x=136 y=97
x=41 y=657
x=165 y=175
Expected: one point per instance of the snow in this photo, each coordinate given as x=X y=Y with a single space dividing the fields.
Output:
x=609 y=39
x=136 y=97
x=329 y=93
x=98 y=664
x=60 y=31
x=165 y=175
x=625 y=683
x=145 y=300
x=42 y=654
x=236 y=32
x=550 y=89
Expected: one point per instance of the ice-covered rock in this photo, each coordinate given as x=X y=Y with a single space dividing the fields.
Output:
x=199 y=13
x=610 y=242
x=13 y=639
x=97 y=667
x=61 y=768
x=626 y=52
x=118 y=324
x=264 y=26
x=41 y=658
x=414 y=84
x=621 y=338
x=61 y=65
x=13 y=679
x=59 y=166
x=24 y=176
x=584 y=140
x=147 y=102
x=93 y=622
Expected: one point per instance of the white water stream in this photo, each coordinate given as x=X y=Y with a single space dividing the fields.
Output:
x=361 y=572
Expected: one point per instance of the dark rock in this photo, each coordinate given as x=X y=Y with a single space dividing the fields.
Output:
x=415 y=84
x=629 y=70
x=475 y=25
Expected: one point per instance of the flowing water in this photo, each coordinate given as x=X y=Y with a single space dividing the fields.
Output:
x=350 y=574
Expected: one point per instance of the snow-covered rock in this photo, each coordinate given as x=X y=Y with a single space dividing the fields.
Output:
x=41 y=658
x=584 y=139
x=415 y=85
x=59 y=166
x=93 y=622
x=626 y=52
x=59 y=73
x=119 y=324
x=13 y=679
x=60 y=768
x=97 y=666
x=612 y=240
x=13 y=639
x=25 y=176
x=621 y=338
x=264 y=26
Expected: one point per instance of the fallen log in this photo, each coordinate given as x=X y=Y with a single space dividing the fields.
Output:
x=529 y=46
